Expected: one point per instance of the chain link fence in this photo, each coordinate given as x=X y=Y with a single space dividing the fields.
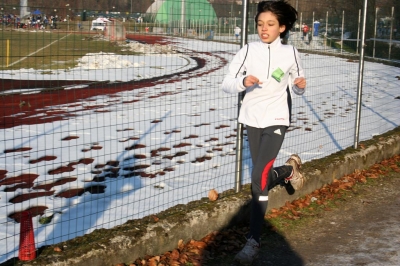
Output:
x=96 y=131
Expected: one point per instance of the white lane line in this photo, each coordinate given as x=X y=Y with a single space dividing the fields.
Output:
x=37 y=51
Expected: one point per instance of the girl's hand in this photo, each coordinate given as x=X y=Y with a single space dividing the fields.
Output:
x=300 y=82
x=250 y=81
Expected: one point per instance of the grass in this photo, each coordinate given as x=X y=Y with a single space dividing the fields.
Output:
x=291 y=219
x=335 y=43
x=50 y=50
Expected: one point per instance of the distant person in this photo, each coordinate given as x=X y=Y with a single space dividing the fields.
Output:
x=237 y=31
x=310 y=37
x=305 y=31
x=269 y=72
x=28 y=22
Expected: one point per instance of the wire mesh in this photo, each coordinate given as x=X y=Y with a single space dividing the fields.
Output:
x=102 y=126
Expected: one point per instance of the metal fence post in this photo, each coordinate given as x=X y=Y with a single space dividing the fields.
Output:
x=358 y=31
x=376 y=22
x=391 y=32
x=239 y=131
x=342 y=37
x=326 y=30
x=360 y=76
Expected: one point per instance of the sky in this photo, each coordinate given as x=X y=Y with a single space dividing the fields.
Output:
x=188 y=124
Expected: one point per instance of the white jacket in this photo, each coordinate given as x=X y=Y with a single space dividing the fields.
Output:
x=269 y=103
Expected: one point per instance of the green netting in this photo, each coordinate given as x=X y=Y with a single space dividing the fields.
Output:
x=193 y=11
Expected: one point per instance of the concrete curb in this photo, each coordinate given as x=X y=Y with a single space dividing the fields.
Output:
x=158 y=234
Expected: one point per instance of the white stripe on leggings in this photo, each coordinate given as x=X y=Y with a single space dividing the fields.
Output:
x=263 y=198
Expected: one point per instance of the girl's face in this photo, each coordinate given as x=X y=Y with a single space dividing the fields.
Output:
x=268 y=27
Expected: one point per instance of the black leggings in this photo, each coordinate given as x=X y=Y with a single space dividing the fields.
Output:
x=265 y=144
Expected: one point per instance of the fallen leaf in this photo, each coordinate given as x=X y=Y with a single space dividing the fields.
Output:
x=212 y=195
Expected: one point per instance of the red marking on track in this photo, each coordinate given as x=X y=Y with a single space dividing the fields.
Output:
x=86 y=160
x=125 y=129
x=3 y=173
x=222 y=126
x=71 y=193
x=96 y=189
x=97 y=147
x=56 y=183
x=35 y=211
x=191 y=137
x=136 y=146
x=149 y=39
x=180 y=145
x=202 y=159
x=113 y=163
x=70 y=138
x=61 y=169
x=28 y=196
x=44 y=158
x=136 y=167
x=18 y=149
x=24 y=178
x=18 y=186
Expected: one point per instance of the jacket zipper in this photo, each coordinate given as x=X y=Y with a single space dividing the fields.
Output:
x=269 y=59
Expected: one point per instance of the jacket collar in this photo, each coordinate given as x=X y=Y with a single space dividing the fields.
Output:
x=275 y=44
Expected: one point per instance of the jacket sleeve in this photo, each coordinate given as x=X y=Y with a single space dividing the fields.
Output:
x=233 y=81
x=297 y=71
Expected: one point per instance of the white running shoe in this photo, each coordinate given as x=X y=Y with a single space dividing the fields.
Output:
x=296 y=178
x=249 y=252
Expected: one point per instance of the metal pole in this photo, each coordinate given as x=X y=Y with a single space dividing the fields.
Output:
x=239 y=131
x=230 y=21
x=326 y=28
x=8 y=53
x=301 y=21
x=391 y=32
x=360 y=77
x=341 y=43
x=376 y=23
x=312 y=26
x=182 y=16
x=358 y=30
x=253 y=16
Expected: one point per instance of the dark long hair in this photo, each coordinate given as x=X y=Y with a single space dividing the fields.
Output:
x=283 y=11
